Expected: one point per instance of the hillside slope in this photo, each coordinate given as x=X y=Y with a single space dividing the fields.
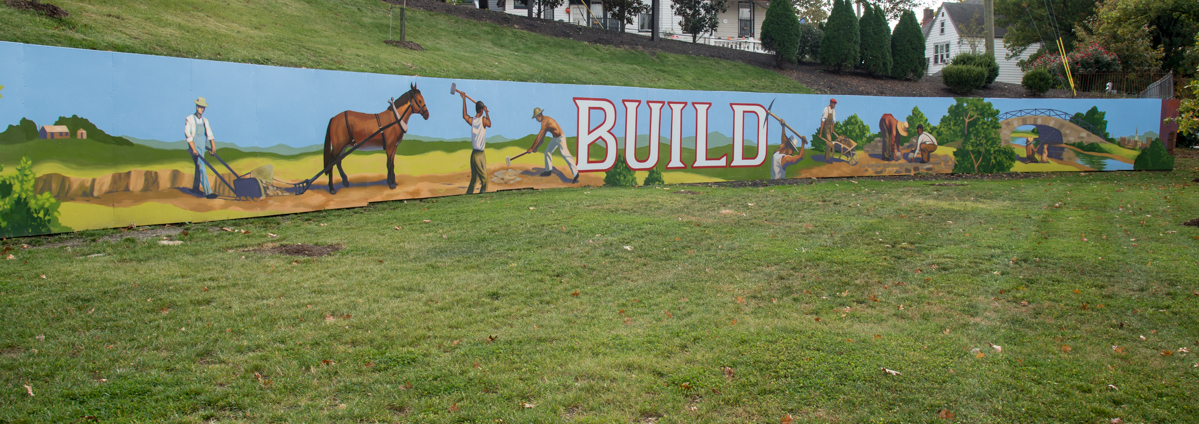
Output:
x=348 y=35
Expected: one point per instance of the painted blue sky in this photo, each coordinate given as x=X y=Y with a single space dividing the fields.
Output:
x=252 y=105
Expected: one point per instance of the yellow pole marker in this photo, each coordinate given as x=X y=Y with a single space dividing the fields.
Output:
x=1066 y=62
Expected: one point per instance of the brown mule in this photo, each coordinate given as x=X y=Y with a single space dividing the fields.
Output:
x=349 y=128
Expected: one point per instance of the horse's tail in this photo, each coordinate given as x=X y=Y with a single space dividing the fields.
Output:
x=329 y=146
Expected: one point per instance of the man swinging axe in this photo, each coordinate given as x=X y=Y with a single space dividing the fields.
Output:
x=557 y=142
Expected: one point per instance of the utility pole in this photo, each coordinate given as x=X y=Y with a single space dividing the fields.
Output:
x=653 y=15
x=989 y=26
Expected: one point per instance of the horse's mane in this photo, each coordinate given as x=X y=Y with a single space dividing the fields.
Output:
x=405 y=98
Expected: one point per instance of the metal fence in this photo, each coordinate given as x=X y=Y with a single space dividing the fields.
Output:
x=1157 y=85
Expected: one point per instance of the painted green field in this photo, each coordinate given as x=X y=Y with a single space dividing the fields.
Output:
x=721 y=305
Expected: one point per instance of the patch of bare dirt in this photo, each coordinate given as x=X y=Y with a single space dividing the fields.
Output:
x=687 y=192
x=1192 y=223
x=411 y=45
x=46 y=9
x=136 y=233
x=811 y=75
x=298 y=249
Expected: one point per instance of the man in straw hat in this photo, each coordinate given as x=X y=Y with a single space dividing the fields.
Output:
x=195 y=124
x=891 y=128
x=557 y=142
x=478 y=141
x=786 y=155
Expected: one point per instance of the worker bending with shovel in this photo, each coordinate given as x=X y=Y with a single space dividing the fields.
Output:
x=557 y=142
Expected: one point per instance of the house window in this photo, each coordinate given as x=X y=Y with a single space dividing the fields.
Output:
x=942 y=27
x=745 y=19
x=645 y=22
x=520 y=4
x=940 y=54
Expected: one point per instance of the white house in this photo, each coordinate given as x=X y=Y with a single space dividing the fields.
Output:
x=958 y=27
x=740 y=26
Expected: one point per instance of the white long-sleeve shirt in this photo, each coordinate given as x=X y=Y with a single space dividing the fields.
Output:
x=829 y=113
x=189 y=128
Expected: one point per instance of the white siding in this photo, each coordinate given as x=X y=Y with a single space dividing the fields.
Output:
x=935 y=37
x=1008 y=70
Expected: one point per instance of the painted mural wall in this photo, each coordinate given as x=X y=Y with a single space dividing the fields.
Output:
x=100 y=139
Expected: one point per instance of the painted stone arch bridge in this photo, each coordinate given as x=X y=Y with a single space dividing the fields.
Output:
x=1053 y=126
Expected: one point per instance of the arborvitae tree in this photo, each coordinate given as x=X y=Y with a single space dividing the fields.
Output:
x=883 y=32
x=840 y=47
x=654 y=178
x=780 y=32
x=620 y=175
x=866 y=37
x=907 y=49
x=876 y=42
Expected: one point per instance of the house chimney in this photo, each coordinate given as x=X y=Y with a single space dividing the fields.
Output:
x=928 y=17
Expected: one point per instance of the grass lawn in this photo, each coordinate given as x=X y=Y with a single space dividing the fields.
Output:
x=348 y=35
x=731 y=305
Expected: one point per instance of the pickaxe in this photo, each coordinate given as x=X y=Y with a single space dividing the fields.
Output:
x=776 y=117
x=454 y=90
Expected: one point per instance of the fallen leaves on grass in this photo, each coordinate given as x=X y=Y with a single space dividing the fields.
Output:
x=788 y=419
x=997 y=348
x=891 y=372
x=528 y=405
x=1066 y=349
x=728 y=372
x=945 y=414
x=28 y=390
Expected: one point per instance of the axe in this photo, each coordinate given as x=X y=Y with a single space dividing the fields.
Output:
x=454 y=90
x=776 y=117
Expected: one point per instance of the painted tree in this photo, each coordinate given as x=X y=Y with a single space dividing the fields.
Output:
x=699 y=16
x=654 y=178
x=1097 y=120
x=916 y=119
x=780 y=32
x=876 y=41
x=975 y=123
x=907 y=49
x=620 y=175
x=852 y=127
x=840 y=47
x=22 y=211
x=1154 y=158
x=25 y=130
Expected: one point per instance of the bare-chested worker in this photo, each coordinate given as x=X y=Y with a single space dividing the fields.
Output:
x=557 y=142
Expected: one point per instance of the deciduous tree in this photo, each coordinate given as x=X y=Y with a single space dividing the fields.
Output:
x=1029 y=23
x=975 y=123
x=699 y=16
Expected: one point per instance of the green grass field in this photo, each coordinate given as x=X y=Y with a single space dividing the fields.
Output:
x=675 y=304
x=732 y=305
x=348 y=35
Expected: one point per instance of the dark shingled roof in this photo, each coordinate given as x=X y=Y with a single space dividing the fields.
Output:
x=967 y=17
